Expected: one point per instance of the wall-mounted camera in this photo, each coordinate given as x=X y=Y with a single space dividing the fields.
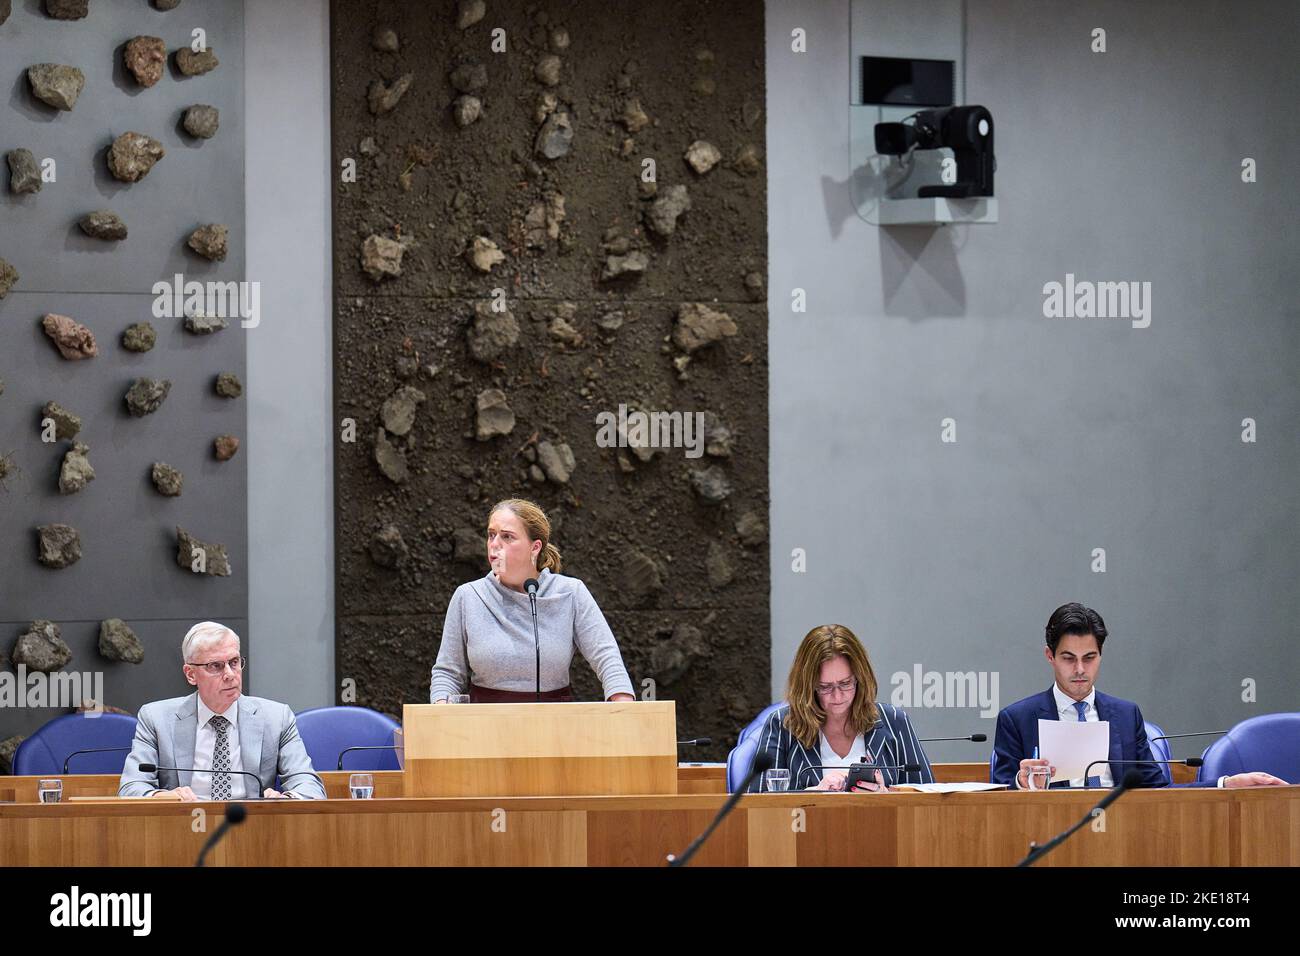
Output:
x=966 y=130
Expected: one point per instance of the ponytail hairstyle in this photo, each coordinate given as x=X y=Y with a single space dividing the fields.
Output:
x=538 y=527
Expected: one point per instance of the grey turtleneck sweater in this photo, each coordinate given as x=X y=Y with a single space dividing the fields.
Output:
x=490 y=628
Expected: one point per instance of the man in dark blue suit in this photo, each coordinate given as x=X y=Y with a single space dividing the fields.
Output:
x=1075 y=635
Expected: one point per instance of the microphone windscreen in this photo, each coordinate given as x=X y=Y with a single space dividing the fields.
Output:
x=235 y=812
x=149 y=768
x=1132 y=779
x=704 y=742
x=979 y=738
x=530 y=586
x=1194 y=761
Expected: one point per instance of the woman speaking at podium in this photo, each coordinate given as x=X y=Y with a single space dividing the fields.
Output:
x=831 y=719
x=488 y=648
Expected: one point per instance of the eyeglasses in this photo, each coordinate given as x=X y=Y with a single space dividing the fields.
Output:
x=843 y=686
x=217 y=668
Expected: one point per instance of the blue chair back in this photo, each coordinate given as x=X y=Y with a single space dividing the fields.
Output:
x=327 y=731
x=740 y=761
x=760 y=720
x=741 y=758
x=1160 y=750
x=1270 y=742
x=44 y=752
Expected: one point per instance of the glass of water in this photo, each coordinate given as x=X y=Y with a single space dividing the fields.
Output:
x=49 y=791
x=361 y=786
x=776 y=781
x=458 y=699
x=1040 y=778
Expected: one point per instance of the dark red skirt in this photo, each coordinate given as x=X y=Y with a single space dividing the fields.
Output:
x=487 y=695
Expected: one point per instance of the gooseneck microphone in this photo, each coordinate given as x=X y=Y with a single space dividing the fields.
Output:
x=257 y=791
x=973 y=738
x=696 y=742
x=1199 y=733
x=1189 y=762
x=531 y=587
x=1131 y=779
x=349 y=750
x=235 y=814
x=97 y=750
x=762 y=761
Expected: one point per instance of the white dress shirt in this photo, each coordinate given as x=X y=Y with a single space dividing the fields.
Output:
x=206 y=741
x=829 y=758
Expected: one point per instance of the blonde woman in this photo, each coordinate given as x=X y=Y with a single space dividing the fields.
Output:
x=487 y=646
x=831 y=719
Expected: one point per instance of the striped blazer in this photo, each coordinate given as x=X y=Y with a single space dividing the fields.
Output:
x=891 y=742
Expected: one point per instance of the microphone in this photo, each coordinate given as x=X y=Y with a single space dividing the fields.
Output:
x=531 y=587
x=97 y=750
x=1201 y=733
x=1189 y=762
x=235 y=814
x=1131 y=779
x=762 y=761
x=350 y=749
x=257 y=791
x=973 y=738
x=697 y=742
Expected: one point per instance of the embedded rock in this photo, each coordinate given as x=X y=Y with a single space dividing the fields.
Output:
x=202 y=121
x=697 y=326
x=196 y=64
x=556 y=461
x=132 y=155
x=702 y=156
x=398 y=412
x=200 y=324
x=199 y=557
x=225 y=446
x=492 y=333
x=144 y=57
x=384 y=97
x=228 y=385
x=381 y=257
x=60 y=545
x=554 y=137
x=117 y=642
x=66 y=424
x=663 y=212
x=103 y=224
x=67 y=9
x=469 y=12
x=494 y=417
x=76 y=471
x=146 y=396
x=167 y=480
x=210 y=241
x=73 y=340
x=56 y=85
x=483 y=254
x=139 y=337
x=711 y=484
x=24 y=174
x=387 y=547
x=390 y=459
x=41 y=648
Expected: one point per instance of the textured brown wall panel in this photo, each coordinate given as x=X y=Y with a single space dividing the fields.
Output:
x=624 y=525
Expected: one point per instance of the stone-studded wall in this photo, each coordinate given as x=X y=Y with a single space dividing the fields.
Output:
x=522 y=171
x=127 y=529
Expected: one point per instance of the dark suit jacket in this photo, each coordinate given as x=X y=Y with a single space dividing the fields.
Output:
x=1017 y=736
x=892 y=742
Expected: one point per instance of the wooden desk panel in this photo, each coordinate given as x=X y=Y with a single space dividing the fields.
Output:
x=1145 y=828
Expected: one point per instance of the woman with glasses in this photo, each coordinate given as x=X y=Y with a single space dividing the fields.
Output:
x=831 y=719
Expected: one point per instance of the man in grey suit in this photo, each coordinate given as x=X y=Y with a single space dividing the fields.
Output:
x=215 y=732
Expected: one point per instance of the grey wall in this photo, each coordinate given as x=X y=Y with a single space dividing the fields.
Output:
x=291 y=496
x=1072 y=434
x=129 y=565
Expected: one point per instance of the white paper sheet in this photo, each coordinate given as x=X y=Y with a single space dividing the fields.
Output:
x=1073 y=744
x=965 y=787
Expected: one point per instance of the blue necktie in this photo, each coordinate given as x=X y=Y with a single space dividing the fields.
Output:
x=1082 y=707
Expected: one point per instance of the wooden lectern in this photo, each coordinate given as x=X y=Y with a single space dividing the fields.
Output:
x=540 y=750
